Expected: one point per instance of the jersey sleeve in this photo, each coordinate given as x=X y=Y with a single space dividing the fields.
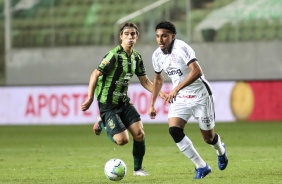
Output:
x=140 y=68
x=188 y=54
x=155 y=61
x=107 y=62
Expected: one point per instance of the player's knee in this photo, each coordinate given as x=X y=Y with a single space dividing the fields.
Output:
x=176 y=133
x=140 y=136
x=122 y=141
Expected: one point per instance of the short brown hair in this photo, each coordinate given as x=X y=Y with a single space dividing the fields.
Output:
x=128 y=24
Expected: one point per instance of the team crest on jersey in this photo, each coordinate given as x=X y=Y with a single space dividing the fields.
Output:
x=111 y=124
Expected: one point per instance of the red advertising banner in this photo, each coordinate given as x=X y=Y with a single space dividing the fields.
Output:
x=61 y=104
x=241 y=100
x=267 y=101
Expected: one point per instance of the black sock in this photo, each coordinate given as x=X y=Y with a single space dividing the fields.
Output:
x=138 y=154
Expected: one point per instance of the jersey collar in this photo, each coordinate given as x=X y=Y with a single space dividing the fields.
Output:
x=122 y=50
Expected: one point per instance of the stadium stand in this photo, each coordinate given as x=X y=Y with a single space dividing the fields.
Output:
x=246 y=20
x=69 y=22
x=90 y=22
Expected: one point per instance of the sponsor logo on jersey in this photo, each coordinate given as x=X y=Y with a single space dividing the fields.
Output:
x=123 y=83
x=127 y=76
x=119 y=95
x=207 y=120
x=105 y=62
x=174 y=72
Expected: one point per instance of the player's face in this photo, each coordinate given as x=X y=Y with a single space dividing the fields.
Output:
x=129 y=36
x=164 y=38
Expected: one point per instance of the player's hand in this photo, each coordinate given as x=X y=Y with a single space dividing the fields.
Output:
x=163 y=95
x=85 y=105
x=152 y=112
x=172 y=96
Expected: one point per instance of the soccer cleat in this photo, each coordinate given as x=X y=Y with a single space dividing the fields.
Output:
x=96 y=127
x=140 y=172
x=202 y=172
x=222 y=160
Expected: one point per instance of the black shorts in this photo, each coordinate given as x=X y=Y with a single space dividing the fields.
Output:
x=117 y=118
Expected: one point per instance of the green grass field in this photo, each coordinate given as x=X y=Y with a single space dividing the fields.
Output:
x=73 y=154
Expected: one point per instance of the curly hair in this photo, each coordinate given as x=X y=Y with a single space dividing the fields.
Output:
x=166 y=25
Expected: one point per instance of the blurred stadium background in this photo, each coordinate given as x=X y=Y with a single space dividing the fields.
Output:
x=60 y=42
x=241 y=38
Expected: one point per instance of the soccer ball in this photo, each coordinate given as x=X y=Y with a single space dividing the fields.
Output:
x=115 y=169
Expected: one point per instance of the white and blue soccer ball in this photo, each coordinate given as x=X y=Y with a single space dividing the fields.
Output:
x=115 y=169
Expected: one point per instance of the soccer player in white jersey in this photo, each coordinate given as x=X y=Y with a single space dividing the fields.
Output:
x=191 y=96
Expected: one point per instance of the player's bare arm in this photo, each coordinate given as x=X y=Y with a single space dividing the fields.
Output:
x=157 y=85
x=147 y=84
x=194 y=74
x=91 y=88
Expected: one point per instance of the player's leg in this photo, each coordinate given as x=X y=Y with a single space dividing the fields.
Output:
x=178 y=115
x=112 y=124
x=214 y=140
x=134 y=125
x=139 y=147
x=115 y=128
x=185 y=145
x=205 y=115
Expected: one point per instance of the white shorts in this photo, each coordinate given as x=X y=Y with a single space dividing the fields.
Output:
x=202 y=110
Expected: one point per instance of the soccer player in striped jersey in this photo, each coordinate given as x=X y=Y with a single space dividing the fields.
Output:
x=191 y=96
x=110 y=83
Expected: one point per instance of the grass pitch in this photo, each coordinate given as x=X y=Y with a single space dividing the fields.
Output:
x=73 y=154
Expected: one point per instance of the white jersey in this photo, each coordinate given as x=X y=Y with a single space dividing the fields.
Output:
x=175 y=65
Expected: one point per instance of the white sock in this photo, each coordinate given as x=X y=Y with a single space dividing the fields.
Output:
x=186 y=147
x=220 y=150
